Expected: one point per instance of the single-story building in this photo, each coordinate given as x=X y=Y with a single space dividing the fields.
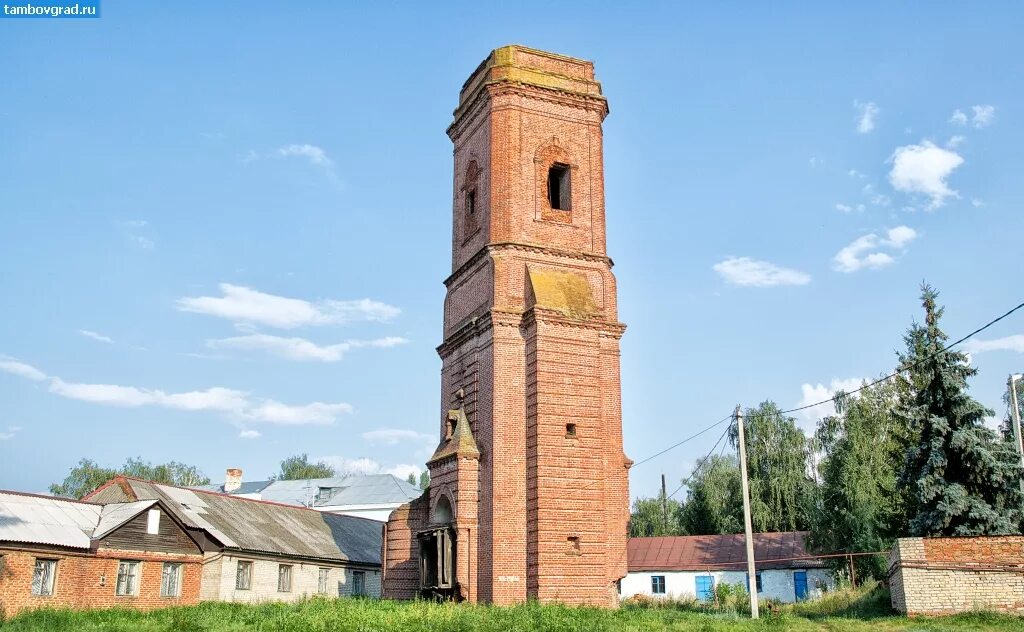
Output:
x=257 y=550
x=683 y=567
x=62 y=553
x=372 y=496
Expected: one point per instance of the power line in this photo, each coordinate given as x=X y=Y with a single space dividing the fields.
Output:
x=690 y=438
x=701 y=464
x=906 y=367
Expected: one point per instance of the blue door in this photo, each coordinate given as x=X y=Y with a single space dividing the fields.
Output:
x=705 y=588
x=800 y=584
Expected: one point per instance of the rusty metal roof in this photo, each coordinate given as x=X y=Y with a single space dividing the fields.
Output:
x=260 y=526
x=719 y=552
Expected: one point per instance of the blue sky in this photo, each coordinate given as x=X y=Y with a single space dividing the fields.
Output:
x=225 y=225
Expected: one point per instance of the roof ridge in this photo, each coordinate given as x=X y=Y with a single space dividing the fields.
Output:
x=49 y=497
x=234 y=497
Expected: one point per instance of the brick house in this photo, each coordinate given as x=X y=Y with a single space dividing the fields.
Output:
x=63 y=553
x=693 y=566
x=257 y=550
x=528 y=496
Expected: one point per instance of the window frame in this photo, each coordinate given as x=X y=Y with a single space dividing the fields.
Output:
x=323 y=580
x=656 y=582
x=560 y=174
x=758 y=582
x=358 y=583
x=131 y=570
x=248 y=566
x=284 y=572
x=177 y=573
x=48 y=583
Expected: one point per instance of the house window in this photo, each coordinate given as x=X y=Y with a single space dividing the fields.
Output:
x=127 y=579
x=757 y=581
x=570 y=431
x=284 y=578
x=43 y=577
x=243 y=576
x=358 y=583
x=323 y=581
x=153 y=522
x=657 y=584
x=170 y=580
x=559 y=192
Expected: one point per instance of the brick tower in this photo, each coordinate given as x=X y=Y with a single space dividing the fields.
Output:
x=528 y=495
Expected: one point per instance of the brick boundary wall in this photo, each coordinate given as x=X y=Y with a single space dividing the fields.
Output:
x=949 y=575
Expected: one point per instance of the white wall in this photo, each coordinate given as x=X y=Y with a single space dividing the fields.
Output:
x=775 y=584
x=219 y=575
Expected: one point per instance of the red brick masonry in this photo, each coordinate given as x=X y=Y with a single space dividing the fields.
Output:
x=947 y=575
x=530 y=349
x=89 y=580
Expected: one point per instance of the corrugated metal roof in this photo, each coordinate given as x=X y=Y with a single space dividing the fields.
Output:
x=251 y=487
x=268 y=527
x=728 y=552
x=116 y=514
x=41 y=520
x=369 y=489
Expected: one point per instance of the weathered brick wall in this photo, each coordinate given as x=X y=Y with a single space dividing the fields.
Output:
x=945 y=575
x=551 y=509
x=89 y=580
x=400 y=555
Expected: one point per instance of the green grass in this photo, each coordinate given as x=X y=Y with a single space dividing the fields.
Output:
x=864 y=610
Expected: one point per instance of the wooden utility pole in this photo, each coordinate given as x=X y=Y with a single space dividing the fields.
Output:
x=664 y=508
x=748 y=529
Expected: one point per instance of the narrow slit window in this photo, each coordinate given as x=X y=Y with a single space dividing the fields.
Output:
x=471 y=203
x=570 y=431
x=559 y=191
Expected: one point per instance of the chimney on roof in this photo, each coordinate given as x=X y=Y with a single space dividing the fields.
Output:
x=232 y=480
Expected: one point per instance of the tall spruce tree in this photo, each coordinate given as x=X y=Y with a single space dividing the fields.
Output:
x=960 y=477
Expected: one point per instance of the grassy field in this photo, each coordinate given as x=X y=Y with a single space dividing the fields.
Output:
x=862 y=611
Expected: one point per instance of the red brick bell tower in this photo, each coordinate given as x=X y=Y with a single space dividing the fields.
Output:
x=528 y=494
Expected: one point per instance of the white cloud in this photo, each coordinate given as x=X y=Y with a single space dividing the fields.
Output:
x=9 y=434
x=984 y=115
x=246 y=305
x=955 y=141
x=363 y=466
x=924 y=169
x=299 y=348
x=233 y=403
x=95 y=336
x=812 y=393
x=314 y=154
x=316 y=413
x=392 y=436
x=15 y=367
x=753 y=273
x=1008 y=343
x=867 y=113
x=142 y=242
x=249 y=434
x=958 y=118
x=866 y=251
x=977 y=202
x=853 y=173
x=846 y=208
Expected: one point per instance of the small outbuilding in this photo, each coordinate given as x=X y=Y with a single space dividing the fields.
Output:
x=687 y=567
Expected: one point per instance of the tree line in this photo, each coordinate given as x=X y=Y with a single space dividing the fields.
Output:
x=87 y=475
x=908 y=456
